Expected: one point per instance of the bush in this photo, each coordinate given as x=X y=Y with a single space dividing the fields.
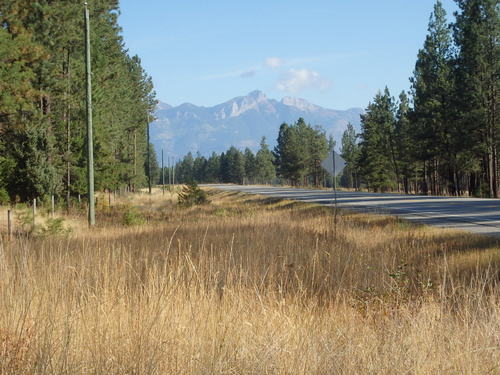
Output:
x=192 y=195
x=132 y=216
x=4 y=196
x=55 y=226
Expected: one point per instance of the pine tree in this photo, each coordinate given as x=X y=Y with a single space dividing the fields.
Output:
x=264 y=160
x=299 y=151
x=405 y=147
x=42 y=98
x=432 y=88
x=235 y=164
x=213 y=168
x=350 y=152
x=476 y=34
x=377 y=155
x=250 y=166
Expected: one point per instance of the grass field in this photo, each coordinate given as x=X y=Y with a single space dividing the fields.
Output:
x=247 y=285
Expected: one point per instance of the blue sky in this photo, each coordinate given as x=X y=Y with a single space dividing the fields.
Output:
x=334 y=53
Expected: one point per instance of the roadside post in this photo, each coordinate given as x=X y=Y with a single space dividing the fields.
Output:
x=52 y=206
x=334 y=164
x=9 y=224
x=34 y=213
x=162 y=175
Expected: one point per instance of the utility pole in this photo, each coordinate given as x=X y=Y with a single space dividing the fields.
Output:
x=173 y=172
x=162 y=174
x=90 y=143
x=169 y=174
x=149 y=160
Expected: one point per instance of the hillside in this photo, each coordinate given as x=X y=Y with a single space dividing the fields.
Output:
x=241 y=122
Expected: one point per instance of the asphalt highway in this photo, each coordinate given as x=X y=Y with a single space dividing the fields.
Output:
x=477 y=215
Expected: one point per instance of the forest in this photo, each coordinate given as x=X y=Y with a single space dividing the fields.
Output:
x=440 y=138
x=294 y=160
x=42 y=101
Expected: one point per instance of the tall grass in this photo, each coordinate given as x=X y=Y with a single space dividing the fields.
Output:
x=249 y=286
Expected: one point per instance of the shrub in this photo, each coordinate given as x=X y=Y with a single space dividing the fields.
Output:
x=191 y=195
x=55 y=226
x=132 y=216
x=4 y=196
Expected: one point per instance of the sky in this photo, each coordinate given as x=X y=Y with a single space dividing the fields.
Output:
x=333 y=53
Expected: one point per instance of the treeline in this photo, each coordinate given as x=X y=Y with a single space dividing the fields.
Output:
x=42 y=100
x=295 y=160
x=443 y=138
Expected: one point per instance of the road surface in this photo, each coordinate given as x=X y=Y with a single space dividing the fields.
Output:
x=477 y=215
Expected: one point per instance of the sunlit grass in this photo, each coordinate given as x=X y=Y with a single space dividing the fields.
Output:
x=248 y=285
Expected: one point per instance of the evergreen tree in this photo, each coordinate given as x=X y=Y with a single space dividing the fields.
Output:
x=184 y=170
x=476 y=34
x=432 y=94
x=213 y=168
x=299 y=151
x=42 y=106
x=235 y=166
x=200 y=168
x=250 y=166
x=376 y=155
x=405 y=147
x=264 y=160
x=350 y=153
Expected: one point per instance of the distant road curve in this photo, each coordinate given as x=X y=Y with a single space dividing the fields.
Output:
x=477 y=215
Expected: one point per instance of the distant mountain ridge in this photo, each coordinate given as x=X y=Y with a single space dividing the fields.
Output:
x=240 y=122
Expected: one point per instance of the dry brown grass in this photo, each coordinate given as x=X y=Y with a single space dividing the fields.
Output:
x=248 y=285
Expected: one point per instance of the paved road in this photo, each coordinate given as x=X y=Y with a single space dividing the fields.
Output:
x=476 y=215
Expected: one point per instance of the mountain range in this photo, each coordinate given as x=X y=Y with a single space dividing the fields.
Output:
x=239 y=122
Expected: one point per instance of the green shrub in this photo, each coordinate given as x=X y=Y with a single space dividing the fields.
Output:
x=4 y=196
x=54 y=226
x=132 y=216
x=192 y=195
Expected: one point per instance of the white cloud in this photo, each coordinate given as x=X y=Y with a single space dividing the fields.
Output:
x=273 y=62
x=243 y=73
x=296 y=80
x=248 y=73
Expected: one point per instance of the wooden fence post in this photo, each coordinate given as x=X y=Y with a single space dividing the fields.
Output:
x=9 y=224
x=53 y=206
x=34 y=213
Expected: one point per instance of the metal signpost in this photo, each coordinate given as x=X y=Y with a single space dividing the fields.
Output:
x=334 y=164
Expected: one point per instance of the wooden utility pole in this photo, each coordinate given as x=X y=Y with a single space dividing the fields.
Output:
x=162 y=174
x=149 y=160
x=68 y=135
x=90 y=143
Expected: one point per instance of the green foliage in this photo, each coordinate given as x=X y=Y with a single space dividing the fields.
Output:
x=54 y=226
x=350 y=153
x=25 y=218
x=377 y=157
x=42 y=104
x=299 y=151
x=192 y=195
x=132 y=216
x=4 y=196
x=264 y=160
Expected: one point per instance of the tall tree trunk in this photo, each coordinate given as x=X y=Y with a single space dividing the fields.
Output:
x=135 y=158
x=67 y=115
